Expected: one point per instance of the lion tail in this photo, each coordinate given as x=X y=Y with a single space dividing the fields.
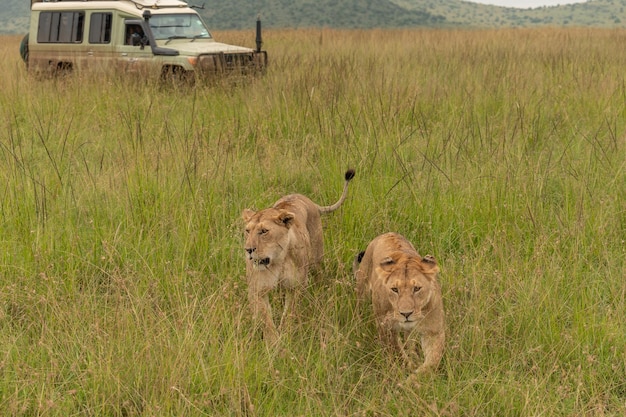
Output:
x=348 y=176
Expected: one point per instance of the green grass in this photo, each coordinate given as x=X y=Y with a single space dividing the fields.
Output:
x=122 y=289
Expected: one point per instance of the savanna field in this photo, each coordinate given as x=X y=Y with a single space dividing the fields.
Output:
x=501 y=153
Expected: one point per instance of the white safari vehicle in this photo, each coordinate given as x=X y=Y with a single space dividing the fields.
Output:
x=130 y=35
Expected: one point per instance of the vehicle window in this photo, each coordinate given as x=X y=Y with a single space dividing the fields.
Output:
x=166 y=26
x=60 y=27
x=100 y=28
x=133 y=34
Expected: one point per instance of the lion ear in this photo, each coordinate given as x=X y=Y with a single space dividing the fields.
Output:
x=247 y=214
x=386 y=263
x=286 y=218
x=429 y=264
x=360 y=256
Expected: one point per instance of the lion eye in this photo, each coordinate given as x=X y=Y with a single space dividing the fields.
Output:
x=395 y=289
x=263 y=231
x=416 y=289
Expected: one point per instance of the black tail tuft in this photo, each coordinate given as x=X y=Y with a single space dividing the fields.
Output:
x=360 y=256
x=349 y=174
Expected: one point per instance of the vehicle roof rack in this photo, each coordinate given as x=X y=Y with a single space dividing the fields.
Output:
x=140 y=4
x=157 y=2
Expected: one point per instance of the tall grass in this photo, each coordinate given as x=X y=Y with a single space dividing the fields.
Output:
x=502 y=153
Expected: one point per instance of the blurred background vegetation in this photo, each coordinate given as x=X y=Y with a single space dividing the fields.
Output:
x=364 y=14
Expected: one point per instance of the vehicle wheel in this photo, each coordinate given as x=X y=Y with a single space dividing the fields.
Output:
x=176 y=75
x=63 y=69
x=24 y=49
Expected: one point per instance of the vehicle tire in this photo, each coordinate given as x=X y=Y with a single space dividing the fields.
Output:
x=176 y=75
x=24 y=49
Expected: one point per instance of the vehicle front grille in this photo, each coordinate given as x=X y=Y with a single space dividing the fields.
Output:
x=227 y=62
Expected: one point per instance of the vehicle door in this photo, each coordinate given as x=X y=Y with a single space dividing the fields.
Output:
x=134 y=53
x=99 y=54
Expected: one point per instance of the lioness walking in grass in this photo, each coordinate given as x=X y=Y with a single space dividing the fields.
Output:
x=405 y=295
x=282 y=243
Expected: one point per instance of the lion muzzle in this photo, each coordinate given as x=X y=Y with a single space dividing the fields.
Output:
x=260 y=263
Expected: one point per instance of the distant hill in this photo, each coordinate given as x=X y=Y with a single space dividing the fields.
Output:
x=242 y=14
x=316 y=13
x=594 y=13
x=14 y=16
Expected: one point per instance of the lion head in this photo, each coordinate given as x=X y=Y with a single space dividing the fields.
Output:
x=408 y=284
x=267 y=236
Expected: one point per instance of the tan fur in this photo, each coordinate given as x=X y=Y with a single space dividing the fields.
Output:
x=405 y=295
x=282 y=243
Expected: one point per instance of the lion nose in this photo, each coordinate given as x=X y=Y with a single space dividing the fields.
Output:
x=406 y=314
x=250 y=250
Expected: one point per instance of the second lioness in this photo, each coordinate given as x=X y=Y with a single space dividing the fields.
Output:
x=282 y=243
x=405 y=295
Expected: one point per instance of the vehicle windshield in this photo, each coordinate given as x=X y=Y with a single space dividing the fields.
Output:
x=178 y=26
